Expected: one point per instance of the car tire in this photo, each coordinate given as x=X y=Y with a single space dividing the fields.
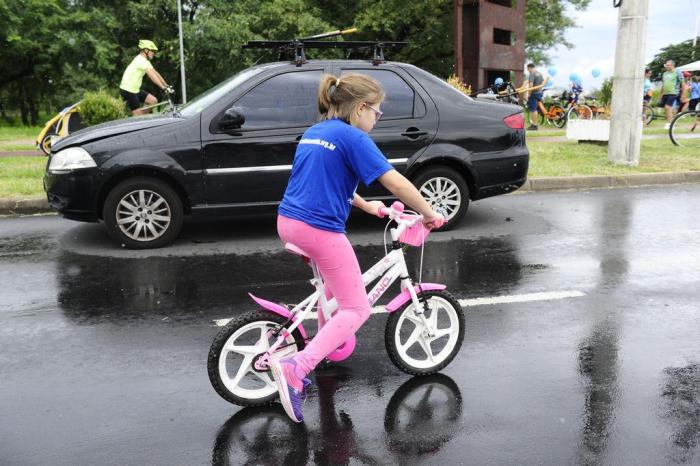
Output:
x=143 y=213
x=440 y=184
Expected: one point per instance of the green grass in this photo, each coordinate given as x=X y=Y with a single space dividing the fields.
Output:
x=21 y=176
x=572 y=159
x=15 y=138
x=13 y=133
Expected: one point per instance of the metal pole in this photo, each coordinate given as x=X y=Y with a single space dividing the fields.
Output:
x=628 y=83
x=695 y=36
x=182 y=53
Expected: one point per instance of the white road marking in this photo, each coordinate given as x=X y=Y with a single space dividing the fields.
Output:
x=506 y=299
x=522 y=298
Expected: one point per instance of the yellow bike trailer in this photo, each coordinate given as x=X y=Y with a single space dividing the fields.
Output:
x=60 y=126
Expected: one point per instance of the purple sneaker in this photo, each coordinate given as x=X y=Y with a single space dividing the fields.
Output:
x=292 y=398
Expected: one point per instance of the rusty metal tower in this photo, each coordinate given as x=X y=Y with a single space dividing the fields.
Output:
x=489 y=41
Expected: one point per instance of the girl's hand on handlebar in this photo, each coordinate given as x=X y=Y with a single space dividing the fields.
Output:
x=434 y=220
x=373 y=208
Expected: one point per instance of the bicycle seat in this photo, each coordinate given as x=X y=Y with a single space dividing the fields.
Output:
x=298 y=251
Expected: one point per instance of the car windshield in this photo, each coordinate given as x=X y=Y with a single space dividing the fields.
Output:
x=202 y=101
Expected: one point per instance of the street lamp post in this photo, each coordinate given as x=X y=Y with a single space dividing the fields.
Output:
x=182 y=52
x=695 y=36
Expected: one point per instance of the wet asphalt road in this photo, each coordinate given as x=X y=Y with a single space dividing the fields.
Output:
x=103 y=357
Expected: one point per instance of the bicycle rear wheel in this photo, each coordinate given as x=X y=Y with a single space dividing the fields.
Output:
x=557 y=116
x=236 y=348
x=685 y=129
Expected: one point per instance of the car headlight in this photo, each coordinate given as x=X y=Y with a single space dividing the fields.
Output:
x=70 y=159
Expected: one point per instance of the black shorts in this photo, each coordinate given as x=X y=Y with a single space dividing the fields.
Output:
x=669 y=99
x=134 y=101
x=693 y=104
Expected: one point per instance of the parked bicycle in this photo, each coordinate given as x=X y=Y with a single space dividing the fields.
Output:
x=423 y=334
x=685 y=129
x=574 y=109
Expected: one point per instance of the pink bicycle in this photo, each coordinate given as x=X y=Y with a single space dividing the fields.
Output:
x=423 y=333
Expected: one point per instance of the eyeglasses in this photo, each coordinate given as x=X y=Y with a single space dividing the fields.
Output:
x=377 y=113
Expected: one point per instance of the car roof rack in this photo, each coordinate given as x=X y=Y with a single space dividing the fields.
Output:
x=297 y=47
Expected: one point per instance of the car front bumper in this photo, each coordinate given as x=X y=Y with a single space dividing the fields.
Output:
x=74 y=194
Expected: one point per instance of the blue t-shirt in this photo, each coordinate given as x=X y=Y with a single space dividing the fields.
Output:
x=331 y=159
x=695 y=91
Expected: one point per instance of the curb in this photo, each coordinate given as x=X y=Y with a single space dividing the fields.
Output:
x=41 y=205
x=29 y=206
x=609 y=181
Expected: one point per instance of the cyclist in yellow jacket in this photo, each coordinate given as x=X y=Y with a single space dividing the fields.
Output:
x=130 y=87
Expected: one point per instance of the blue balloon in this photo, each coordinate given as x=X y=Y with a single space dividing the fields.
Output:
x=498 y=82
x=595 y=72
x=552 y=71
x=574 y=78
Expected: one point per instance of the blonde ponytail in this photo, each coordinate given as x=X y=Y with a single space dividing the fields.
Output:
x=340 y=97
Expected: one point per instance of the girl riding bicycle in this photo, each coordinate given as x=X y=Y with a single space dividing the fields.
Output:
x=333 y=156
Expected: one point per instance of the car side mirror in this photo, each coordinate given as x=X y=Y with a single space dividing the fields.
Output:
x=232 y=119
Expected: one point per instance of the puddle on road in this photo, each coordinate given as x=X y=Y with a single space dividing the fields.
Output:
x=682 y=394
x=25 y=248
x=93 y=287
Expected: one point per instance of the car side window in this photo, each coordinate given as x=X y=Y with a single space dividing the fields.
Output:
x=400 y=97
x=283 y=101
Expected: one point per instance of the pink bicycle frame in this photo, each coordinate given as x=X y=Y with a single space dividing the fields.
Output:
x=386 y=271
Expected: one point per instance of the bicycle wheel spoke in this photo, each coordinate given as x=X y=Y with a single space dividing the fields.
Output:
x=243 y=369
x=265 y=377
x=415 y=335
x=427 y=349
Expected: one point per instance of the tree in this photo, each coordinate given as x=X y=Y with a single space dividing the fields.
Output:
x=547 y=23
x=680 y=53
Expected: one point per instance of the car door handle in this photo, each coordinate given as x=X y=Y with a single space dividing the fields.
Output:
x=413 y=133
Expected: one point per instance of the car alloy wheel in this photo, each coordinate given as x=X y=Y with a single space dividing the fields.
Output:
x=446 y=191
x=143 y=215
x=443 y=195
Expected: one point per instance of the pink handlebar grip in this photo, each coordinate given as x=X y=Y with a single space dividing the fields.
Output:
x=398 y=207
x=383 y=212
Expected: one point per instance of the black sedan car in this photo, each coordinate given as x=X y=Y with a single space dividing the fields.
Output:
x=230 y=150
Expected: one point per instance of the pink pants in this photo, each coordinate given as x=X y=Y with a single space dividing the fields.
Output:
x=341 y=274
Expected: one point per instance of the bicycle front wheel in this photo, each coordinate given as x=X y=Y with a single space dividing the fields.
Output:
x=685 y=129
x=423 y=348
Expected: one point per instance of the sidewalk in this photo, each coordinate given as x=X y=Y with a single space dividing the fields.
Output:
x=31 y=206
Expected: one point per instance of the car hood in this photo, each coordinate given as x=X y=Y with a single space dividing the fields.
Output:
x=113 y=128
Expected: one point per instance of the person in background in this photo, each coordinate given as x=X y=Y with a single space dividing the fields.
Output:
x=694 y=93
x=684 y=96
x=670 y=87
x=535 y=83
x=648 y=91
x=130 y=86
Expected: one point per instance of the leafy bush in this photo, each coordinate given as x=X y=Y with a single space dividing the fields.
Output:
x=100 y=107
x=459 y=85
x=605 y=93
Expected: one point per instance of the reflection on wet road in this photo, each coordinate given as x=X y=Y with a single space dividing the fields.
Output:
x=104 y=350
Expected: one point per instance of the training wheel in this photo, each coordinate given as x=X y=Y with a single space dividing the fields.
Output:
x=343 y=351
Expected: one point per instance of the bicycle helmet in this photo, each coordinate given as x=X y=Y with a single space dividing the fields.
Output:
x=687 y=74
x=147 y=44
